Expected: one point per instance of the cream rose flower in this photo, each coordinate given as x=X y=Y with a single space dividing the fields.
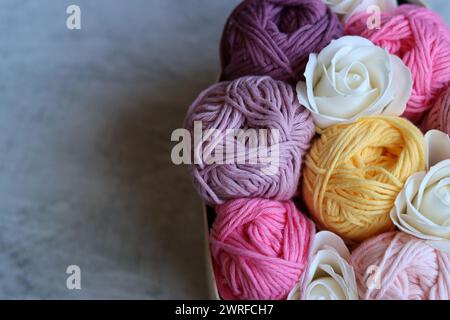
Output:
x=346 y=8
x=352 y=77
x=422 y=208
x=329 y=276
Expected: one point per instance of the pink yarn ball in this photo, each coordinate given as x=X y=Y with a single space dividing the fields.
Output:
x=259 y=247
x=439 y=115
x=408 y=267
x=422 y=40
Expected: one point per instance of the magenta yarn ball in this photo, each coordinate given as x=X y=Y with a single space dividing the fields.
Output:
x=275 y=37
x=260 y=248
x=439 y=115
x=261 y=105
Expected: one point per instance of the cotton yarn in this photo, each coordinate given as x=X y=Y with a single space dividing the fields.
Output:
x=348 y=177
x=406 y=268
x=422 y=40
x=439 y=115
x=353 y=173
x=259 y=247
x=252 y=103
x=275 y=37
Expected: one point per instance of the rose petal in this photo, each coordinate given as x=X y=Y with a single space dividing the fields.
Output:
x=328 y=263
x=305 y=89
x=326 y=85
x=353 y=79
x=437 y=147
x=326 y=240
x=330 y=50
x=401 y=87
x=435 y=203
x=437 y=172
x=346 y=106
x=346 y=279
x=295 y=293
x=324 y=289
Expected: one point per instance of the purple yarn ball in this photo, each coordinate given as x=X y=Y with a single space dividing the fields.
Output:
x=275 y=37
x=250 y=103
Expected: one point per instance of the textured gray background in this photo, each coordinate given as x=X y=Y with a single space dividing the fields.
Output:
x=85 y=124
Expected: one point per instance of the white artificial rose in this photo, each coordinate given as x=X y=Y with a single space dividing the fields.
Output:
x=347 y=8
x=352 y=77
x=422 y=208
x=329 y=276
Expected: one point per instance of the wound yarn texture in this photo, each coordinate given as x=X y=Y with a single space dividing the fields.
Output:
x=422 y=40
x=260 y=248
x=353 y=173
x=275 y=37
x=251 y=103
x=406 y=268
x=439 y=115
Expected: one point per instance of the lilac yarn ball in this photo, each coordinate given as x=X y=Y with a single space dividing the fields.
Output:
x=439 y=115
x=275 y=37
x=250 y=103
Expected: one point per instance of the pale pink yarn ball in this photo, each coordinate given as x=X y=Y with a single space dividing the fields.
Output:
x=409 y=269
x=421 y=39
x=439 y=115
x=260 y=248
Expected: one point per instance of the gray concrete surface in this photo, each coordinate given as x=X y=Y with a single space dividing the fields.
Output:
x=85 y=124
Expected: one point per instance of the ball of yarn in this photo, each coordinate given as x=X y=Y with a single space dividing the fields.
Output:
x=397 y=266
x=353 y=173
x=422 y=40
x=439 y=115
x=252 y=103
x=275 y=37
x=259 y=247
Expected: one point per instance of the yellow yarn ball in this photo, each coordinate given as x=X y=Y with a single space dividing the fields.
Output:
x=353 y=173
